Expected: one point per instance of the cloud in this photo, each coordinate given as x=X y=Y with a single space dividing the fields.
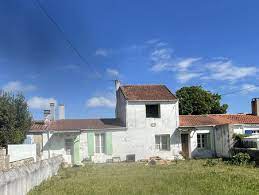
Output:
x=112 y=72
x=18 y=86
x=184 y=64
x=152 y=41
x=37 y=102
x=101 y=101
x=226 y=70
x=162 y=59
x=248 y=88
x=102 y=52
x=184 y=77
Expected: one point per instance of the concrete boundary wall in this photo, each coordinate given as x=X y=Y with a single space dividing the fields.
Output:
x=22 y=179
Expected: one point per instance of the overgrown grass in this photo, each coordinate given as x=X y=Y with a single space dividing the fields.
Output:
x=185 y=177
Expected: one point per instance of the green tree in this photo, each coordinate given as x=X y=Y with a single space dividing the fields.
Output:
x=196 y=100
x=15 y=119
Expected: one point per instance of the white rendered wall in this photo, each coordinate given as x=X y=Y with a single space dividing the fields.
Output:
x=200 y=152
x=139 y=138
x=55 y=145
x=21 y=151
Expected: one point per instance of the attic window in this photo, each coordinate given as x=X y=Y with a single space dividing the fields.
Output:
x=153 y=111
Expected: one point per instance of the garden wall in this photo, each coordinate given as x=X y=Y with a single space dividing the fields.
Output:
x=22 y=179
x=21 y=151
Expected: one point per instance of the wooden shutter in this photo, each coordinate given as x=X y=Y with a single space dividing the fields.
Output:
x=108 y=143
x=90 y=144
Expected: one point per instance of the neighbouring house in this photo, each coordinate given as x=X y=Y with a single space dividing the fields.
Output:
x=146 y=123
x=211 y=135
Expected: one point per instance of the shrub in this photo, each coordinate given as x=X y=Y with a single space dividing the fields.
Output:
x=238 y=139
x=241 y=159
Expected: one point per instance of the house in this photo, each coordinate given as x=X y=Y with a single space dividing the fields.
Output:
x=146 y=123
x=211 y=135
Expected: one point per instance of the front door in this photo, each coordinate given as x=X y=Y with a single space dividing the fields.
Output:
x=185 y=145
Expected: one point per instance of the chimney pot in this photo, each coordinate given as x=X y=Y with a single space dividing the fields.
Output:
x=52 y=111
x=61 y=111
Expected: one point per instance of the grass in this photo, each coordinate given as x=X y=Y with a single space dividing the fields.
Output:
x=185 y=177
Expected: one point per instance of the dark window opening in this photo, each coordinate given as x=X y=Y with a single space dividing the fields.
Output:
x=153 y=111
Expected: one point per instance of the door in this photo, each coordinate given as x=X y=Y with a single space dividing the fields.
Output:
x=185 y=145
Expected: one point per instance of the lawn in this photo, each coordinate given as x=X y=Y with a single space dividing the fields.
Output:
x=185 y=177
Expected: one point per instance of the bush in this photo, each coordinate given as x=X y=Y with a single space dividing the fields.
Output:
x=238 y=139
x=241 y=159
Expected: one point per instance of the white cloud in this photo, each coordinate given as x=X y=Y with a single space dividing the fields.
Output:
x=247 y=88
x=37 y=102
x=17 y=86
x=226 y=70
x=184 y=64
x=112 y=72
x=152 y=41
x=184 y=77
x=100 y=101
x=102 y=52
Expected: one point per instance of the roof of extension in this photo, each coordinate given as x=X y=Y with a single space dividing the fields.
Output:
x=79 y=124
x=217 y=119
x=147 y=93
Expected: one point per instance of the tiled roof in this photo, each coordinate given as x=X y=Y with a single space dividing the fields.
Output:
x=79 y=124
x=147 y=92
x=38 y=126
x=217 y=119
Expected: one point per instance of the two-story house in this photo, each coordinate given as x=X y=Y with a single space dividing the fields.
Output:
x=147 y=118
x=147 y=124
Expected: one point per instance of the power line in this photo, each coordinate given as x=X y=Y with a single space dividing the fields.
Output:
x=240 y=90
x=69 y=42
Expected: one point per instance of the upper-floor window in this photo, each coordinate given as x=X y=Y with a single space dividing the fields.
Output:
x=153 y=111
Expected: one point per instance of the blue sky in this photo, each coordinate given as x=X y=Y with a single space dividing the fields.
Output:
x=178 y=43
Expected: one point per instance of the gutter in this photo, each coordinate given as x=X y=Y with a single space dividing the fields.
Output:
x=109 y=129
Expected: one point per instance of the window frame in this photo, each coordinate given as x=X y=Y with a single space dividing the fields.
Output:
x=101 y=143
x=203 y=141
x=152 y=115
x=159 y=142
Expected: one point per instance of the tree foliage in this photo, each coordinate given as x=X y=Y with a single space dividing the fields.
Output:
x=15 y=119
x=196 y=100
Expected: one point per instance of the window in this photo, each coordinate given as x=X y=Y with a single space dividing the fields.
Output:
x=99 y=143
x=153 y=111
x=203 y=140
x=162 y=142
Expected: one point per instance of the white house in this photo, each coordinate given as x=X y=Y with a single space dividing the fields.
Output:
x=147 y=123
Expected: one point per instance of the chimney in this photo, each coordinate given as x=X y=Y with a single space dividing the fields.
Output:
x=61 y=111
x=255 y=106
x=46 y=114
x=117 y=84
x=52 y=111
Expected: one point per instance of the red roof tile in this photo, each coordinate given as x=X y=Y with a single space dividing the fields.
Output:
x=217 y=119
x=78 y=124
x=38 y=126
x=147 y=92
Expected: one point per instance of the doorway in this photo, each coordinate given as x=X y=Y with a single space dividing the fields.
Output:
x=185 y=145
